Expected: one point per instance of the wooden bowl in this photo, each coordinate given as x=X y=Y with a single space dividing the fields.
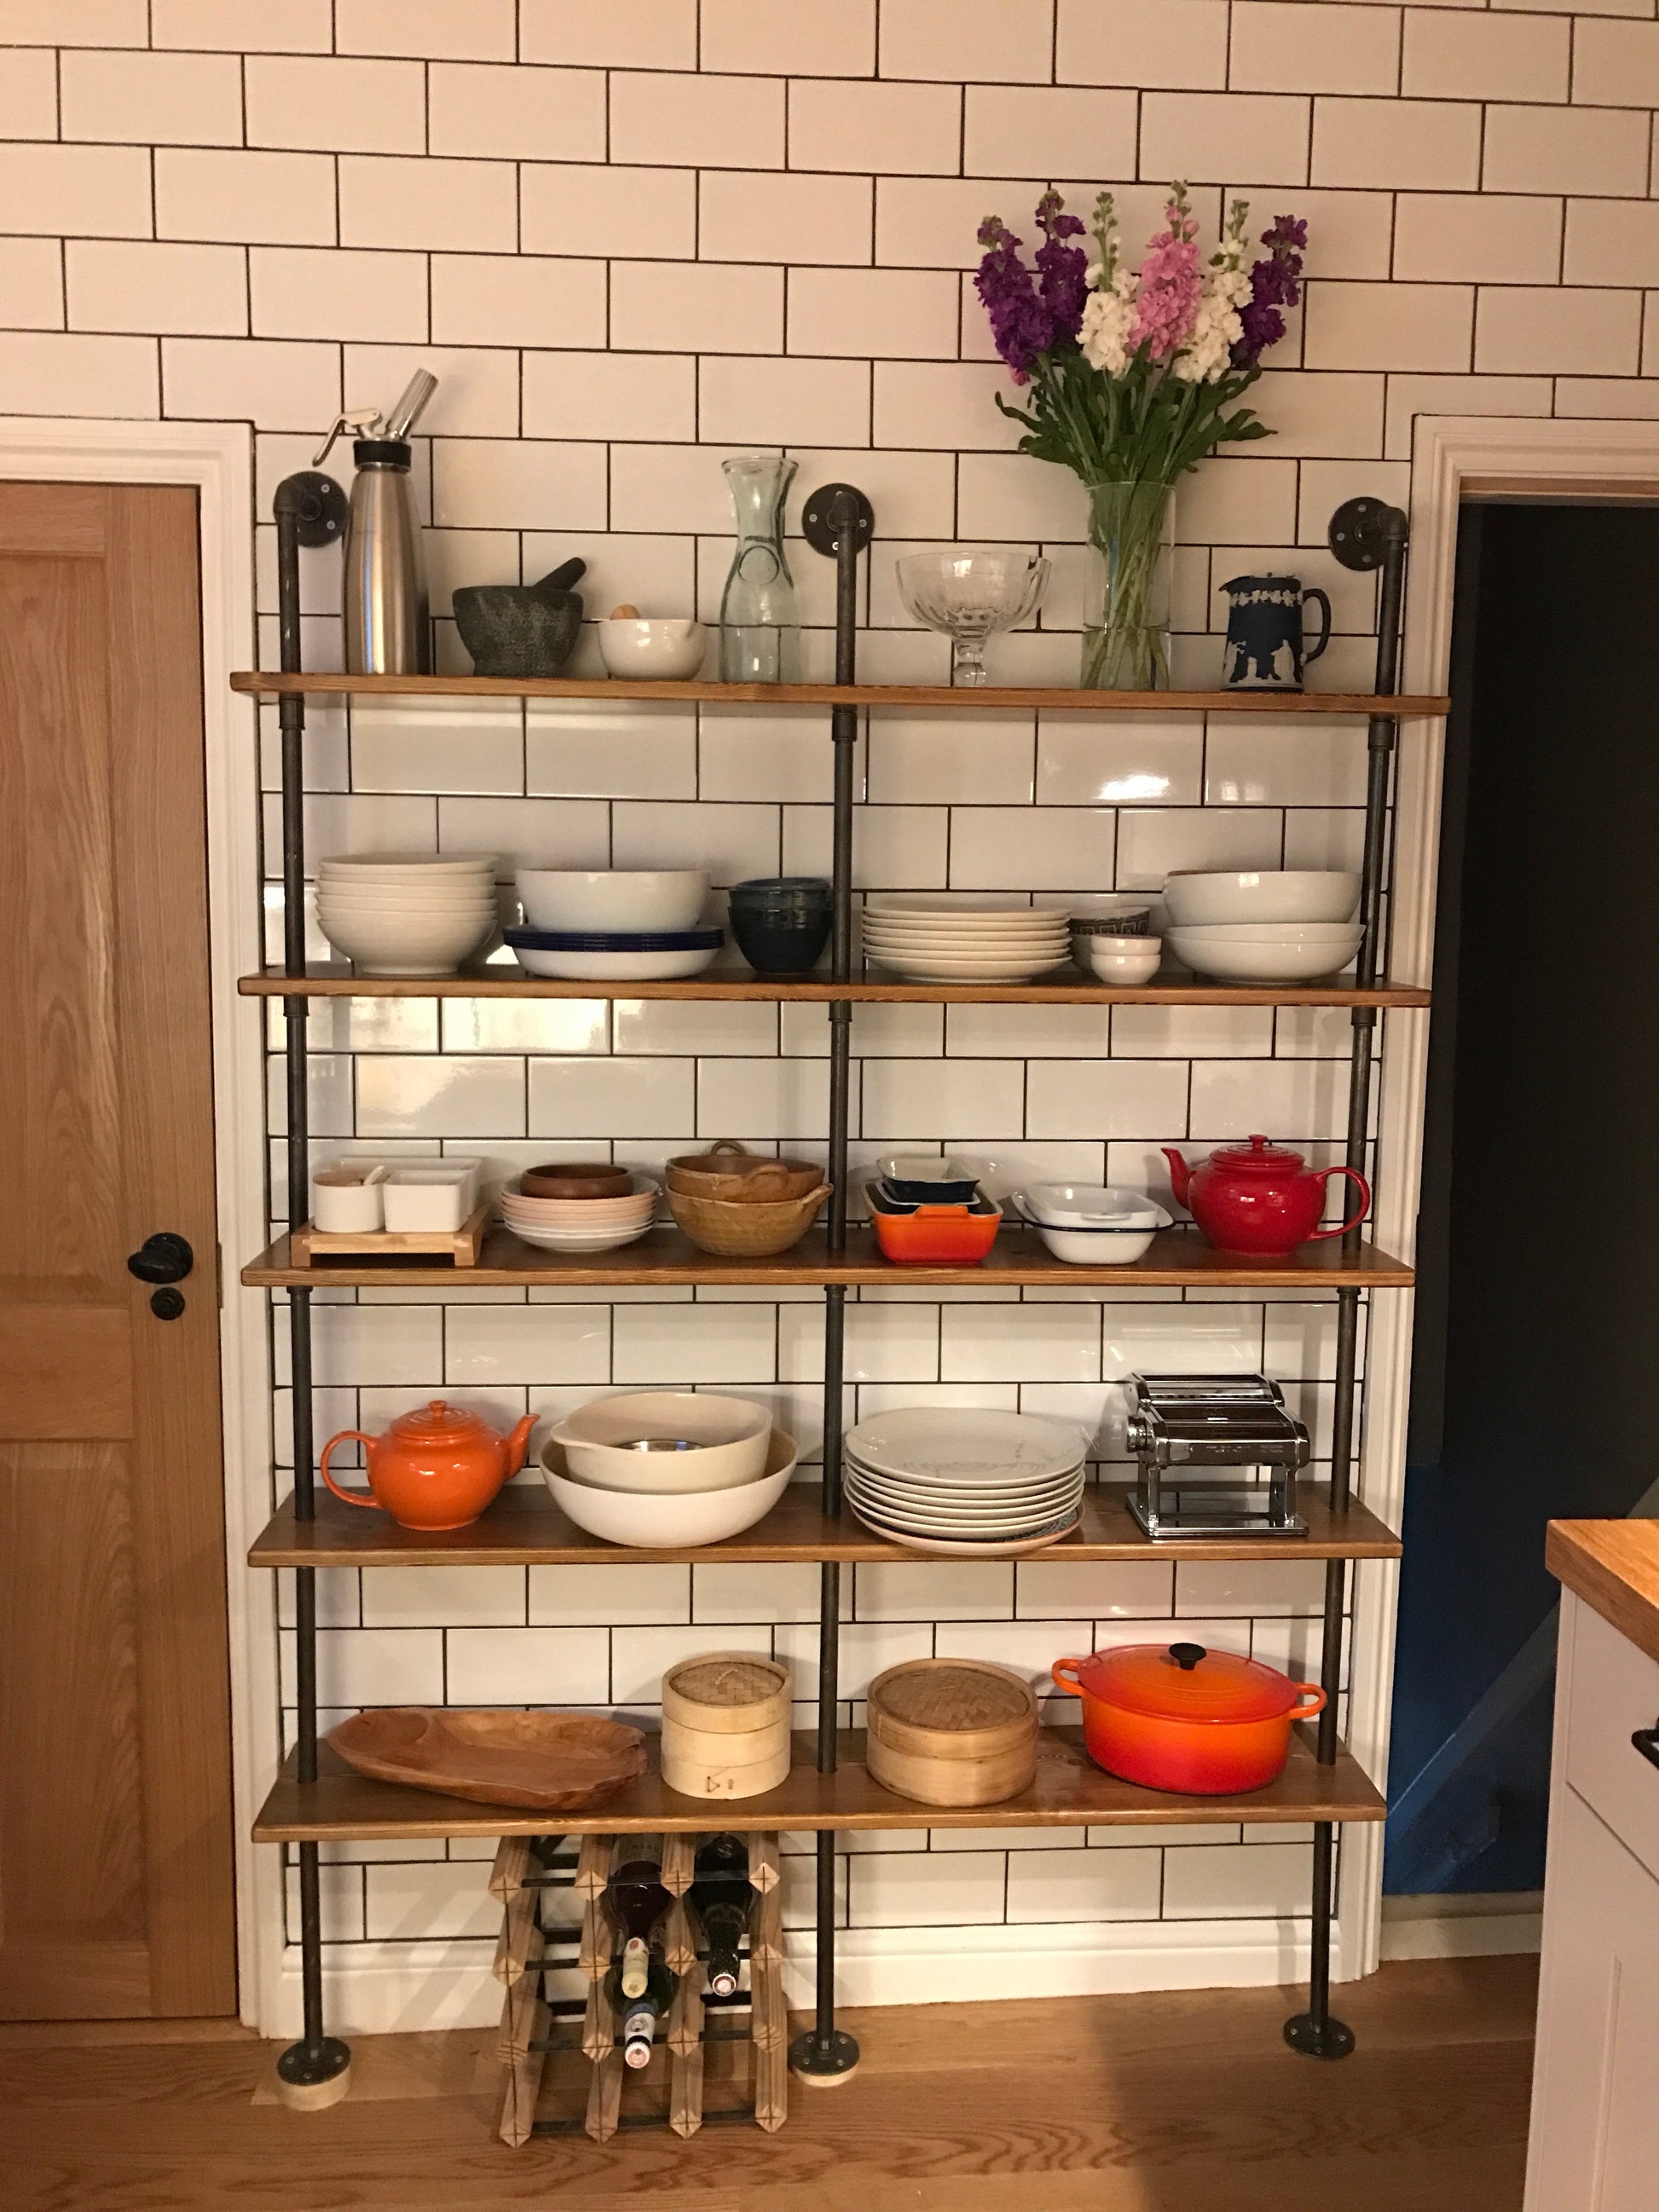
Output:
x=537 y=1762
x=728 y=1172
x=737 y=1229
x=575 y=1179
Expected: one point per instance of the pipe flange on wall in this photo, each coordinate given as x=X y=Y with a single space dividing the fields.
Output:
x=829 y=512
x=1362 y=531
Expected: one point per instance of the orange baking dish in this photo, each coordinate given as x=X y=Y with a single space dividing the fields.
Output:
x=935 y=1236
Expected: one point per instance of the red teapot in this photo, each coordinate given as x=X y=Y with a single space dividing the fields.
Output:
x=1259 y=1198
x=436 y=1467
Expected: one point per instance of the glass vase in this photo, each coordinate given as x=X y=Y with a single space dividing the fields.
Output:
x=760 y=623
x=1126 y=607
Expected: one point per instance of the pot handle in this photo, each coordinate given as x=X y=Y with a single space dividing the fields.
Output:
x=1306 y=1712
x=350 y=1496
x=1069 y=1683
x=1354 y=1220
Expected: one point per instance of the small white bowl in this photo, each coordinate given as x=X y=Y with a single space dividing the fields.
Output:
x=388 y=948
x=659 y=648
x=1126 y=960
x=601 y=902
x=727 y=1438
x=1261 y=895
x=665 y=1523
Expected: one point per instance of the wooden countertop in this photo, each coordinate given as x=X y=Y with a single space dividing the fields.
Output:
x=1613 y=1566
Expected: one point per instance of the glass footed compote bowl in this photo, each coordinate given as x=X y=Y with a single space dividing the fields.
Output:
x=970 y=595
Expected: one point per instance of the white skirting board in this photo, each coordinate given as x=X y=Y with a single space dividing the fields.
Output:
x=379 y=1989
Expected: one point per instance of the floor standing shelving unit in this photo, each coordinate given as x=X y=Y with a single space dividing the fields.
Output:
x=317 y=1799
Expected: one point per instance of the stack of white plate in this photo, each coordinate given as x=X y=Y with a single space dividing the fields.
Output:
x=993 y=941
x=966 y=1484
x=407 y=914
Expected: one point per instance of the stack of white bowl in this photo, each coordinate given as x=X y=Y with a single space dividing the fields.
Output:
x=407 y=914
x=1264 y=925
x=582 y=1224
x=657 y=1469
x=969 y=1483
x=990 y=941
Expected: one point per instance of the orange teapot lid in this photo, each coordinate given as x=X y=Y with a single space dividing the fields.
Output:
x=1185 y=1682
x=437 y=1423
x=1258 y=1157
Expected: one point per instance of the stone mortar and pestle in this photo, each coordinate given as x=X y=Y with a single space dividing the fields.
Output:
x=521 y=629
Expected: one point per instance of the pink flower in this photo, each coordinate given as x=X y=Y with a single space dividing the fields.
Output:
x=1171 y=285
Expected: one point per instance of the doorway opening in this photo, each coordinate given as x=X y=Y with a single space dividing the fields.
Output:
x=1536 y=1289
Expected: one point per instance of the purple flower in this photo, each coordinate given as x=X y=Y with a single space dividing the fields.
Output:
x=1275 y=283
x=1030 y=313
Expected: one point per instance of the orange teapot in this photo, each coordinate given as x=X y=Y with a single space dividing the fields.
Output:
x=437 y=1468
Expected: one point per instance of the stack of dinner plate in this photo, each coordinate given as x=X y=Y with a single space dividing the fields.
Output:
x=992 y=941
x=966 y=1483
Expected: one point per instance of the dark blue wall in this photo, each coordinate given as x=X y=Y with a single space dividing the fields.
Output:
x=1534 y=1336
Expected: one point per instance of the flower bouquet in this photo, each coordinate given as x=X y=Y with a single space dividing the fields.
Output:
x=1131 y=374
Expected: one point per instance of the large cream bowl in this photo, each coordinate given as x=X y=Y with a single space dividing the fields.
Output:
x=1262 y=895
x=663 y=1522
x=727 y=1441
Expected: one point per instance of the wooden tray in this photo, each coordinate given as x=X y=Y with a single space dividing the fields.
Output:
x=462 y=1245
x=540 y=1762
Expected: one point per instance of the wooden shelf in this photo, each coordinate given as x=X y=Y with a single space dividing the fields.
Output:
x=1069 y=1791
x=1178 y=1256
x=524 y=1528
x=269 y=684
x=325 y=980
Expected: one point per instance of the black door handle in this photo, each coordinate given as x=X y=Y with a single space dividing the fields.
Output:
x=164 y=1258
x=1647 y=1742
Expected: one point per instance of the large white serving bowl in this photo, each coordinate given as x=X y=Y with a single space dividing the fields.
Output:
x=1262 y=895
x=1260 y=960
x=660 y=1521
x=726 y=1439
x=395 y=948
x=615 y=967
x=594 y=901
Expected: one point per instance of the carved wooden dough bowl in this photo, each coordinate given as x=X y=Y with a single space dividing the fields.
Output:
x=539 y=1762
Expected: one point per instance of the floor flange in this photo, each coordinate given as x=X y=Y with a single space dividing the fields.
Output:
x=1326 y=2039
x=824 y=2062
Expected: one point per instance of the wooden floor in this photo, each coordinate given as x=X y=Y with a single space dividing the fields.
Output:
x=1169 y=2103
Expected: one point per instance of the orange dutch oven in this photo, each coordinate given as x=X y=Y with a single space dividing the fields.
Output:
x=1176 y=1716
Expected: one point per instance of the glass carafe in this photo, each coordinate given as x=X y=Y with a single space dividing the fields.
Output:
x=760 y=623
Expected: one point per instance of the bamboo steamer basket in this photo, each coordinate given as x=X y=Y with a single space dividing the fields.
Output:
x=728 y=1169
x=726 y=1725
x=707 y=1778
x=951 y=1731
x=746 y=1228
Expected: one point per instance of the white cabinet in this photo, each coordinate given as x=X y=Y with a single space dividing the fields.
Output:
x=1595 y=2141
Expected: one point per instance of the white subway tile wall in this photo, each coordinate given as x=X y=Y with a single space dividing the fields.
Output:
x=630 y=239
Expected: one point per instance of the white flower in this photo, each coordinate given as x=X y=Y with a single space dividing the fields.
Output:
x=1109 y=315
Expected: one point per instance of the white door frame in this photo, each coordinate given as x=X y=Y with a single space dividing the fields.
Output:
x=1454 y=458
x=216 y=460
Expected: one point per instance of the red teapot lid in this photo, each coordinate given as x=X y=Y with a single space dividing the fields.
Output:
x=438 y=1423
x=1258 y=1157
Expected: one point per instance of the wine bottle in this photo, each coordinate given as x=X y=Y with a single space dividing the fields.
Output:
x=642 y=2010
x=722 y=1897
x=636 y=1901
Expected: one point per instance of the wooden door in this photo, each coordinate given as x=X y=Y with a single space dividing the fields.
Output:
x=115 y=1834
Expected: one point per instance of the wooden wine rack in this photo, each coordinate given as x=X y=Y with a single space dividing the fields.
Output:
x=538 y=2030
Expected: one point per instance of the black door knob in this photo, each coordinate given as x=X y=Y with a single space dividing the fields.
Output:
x=164 y=1258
